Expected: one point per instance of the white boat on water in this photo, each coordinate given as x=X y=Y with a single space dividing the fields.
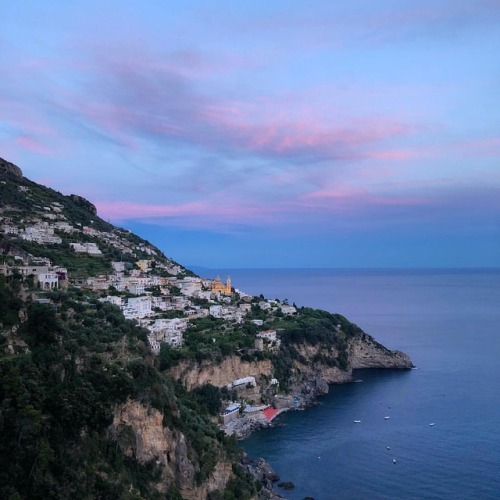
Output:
x=393 y=460
x=357 y=421
x=431 y=424
x=387 y=418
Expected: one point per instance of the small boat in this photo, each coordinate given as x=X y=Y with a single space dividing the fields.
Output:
x=357 y=421
x=431 y=424
x=359 y=380
x=393 y=460
x=388 y=447
x=387 y=418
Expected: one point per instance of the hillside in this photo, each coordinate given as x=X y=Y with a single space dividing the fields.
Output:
x=124 y=375
x=42 y=222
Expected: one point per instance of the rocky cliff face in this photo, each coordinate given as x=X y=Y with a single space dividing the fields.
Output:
x=10 y=168
x=140 y=434
x=364 y=352
x=193 y=374
x=82 y=202
x=311 y=379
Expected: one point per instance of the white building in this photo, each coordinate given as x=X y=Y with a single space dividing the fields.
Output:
x=119 y=267
x=89 y=248
x=242 y=381
x=8 y=229
x=269 y=335
x=161 y=302
x=138 y=307
x=63 y=226
x=136 y=287
x=258 y=322
x=287 y=310
x=48 y=281
x=216 y=311
x=245 y=307
x=169 y=331
x=113 y=299
x=190 y=288
x=90 y=230
x=154 y=345
x=41 y=233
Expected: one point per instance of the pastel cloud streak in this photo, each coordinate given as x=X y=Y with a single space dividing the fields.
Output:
x=142 y=100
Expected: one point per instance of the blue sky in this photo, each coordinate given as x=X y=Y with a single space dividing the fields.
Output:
x=266 y=134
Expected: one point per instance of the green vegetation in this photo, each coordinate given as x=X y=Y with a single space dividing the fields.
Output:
x=210 y=338
x=78 y=265
x=240 y=487
x=57 y=400
x=10 y=304
x=313 y=327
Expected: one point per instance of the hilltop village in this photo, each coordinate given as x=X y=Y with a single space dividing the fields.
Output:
x=156 y=293
x=163 y=305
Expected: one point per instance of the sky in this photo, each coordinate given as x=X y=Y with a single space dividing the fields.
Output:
x=266 y=134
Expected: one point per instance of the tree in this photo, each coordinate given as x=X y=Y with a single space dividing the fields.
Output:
x=42 y=324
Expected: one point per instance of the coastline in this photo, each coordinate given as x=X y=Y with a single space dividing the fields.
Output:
x=243 y=426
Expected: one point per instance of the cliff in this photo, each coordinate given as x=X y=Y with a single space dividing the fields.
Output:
x=140 y=433
x=311 y=378
x=219 y=374
x=309 y=372
x=10 y=168
x=365 y=352
x=83 y=203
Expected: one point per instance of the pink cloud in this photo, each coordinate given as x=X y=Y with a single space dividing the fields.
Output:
x=392 y=155
x=136 y=97
x=359 y=199
x=123 y=210
x=145 y=102
x=32 y=144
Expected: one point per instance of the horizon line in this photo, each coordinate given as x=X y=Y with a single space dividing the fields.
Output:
x=381 y=268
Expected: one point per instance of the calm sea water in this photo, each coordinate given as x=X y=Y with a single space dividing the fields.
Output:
x=448 y=321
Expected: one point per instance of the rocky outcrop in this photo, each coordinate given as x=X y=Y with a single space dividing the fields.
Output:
x=82 y=202
x=6 y=166
x=193 y=374
x=265 y=474
x=139 y=432
x=286 y=485
x=311 y=379
x=320 y=371
x=365 y=352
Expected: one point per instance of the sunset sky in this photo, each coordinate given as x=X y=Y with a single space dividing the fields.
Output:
x=266 y=134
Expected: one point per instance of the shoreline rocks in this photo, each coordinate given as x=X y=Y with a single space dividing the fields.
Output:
x=264 y=473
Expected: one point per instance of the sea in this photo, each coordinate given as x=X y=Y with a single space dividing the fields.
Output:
x=442 y=439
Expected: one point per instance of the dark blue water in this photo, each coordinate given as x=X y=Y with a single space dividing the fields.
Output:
x=449 y=323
